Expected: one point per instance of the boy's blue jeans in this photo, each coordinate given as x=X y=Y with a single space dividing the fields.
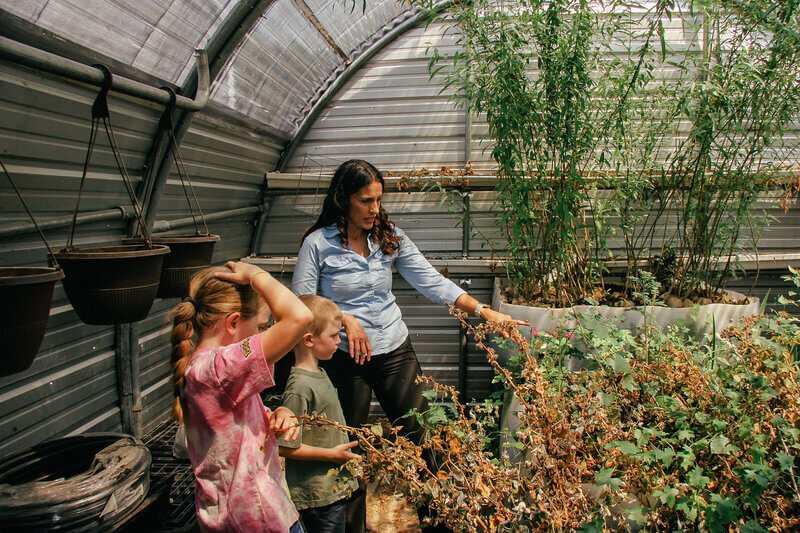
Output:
x=296 y=528
x=327 y=519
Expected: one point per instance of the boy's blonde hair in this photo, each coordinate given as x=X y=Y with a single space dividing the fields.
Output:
x=324 y=311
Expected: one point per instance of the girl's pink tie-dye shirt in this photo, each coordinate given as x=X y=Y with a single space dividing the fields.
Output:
x=240 y=485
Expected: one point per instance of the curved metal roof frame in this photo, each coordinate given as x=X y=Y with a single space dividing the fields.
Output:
x=413 y=19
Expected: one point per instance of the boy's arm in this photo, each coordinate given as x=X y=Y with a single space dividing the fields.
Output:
x=305 y=452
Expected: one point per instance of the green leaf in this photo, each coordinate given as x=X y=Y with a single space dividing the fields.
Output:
x=638 y=514
x=604 y=478
x=786 y=461
x=721 y=445
x=620 y=364
x=752 y=526
x=685 y=434
x=697 y=478
x=667 y=496
x=430 y=394
x=625 y=447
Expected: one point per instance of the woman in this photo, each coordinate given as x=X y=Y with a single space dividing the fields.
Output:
x=347 y=256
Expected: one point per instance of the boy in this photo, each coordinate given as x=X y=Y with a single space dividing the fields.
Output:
x=308 y=459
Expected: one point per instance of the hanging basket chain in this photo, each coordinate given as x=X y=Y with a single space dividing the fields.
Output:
x=127 y=180
x=92 y=139
x=183 y=174
x=100 y=111
x=50 y=255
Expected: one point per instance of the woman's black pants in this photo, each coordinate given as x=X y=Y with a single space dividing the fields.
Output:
x=392 y=377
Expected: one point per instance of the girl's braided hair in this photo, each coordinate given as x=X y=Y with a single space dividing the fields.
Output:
x=210 y=300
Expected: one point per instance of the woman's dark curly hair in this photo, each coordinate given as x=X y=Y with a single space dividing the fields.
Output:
x=349 y=178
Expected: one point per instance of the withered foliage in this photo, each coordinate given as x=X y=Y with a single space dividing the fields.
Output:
x=656 y=433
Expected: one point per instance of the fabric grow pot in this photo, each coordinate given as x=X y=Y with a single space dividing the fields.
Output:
x=188 y=255
x=26 y=293
x=81 y=483
x=112 y=285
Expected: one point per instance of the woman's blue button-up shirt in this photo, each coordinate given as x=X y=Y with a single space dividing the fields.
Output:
x=362 y=286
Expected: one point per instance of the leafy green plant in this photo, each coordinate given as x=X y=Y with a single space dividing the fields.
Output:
x=659 y=433
x=593 y=141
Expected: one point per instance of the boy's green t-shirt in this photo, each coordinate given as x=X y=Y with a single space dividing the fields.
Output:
x=309 y=483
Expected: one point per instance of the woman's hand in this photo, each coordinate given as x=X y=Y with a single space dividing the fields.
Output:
x=360 y=348
x=283 y=423
x=242 y=272
x=490 y=315
x=341 y=453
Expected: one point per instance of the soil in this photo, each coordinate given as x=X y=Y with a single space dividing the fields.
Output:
x=389 y=513
x=615 y=297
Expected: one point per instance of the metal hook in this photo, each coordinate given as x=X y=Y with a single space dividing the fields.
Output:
x=100 y=106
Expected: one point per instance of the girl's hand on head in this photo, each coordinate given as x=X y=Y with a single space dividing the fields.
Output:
x=490 y=315
x=283 y=423
x=360 y=348
x=241 y=273
x=341 y=453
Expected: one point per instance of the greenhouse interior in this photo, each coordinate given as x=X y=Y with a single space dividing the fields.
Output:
x=583 y=214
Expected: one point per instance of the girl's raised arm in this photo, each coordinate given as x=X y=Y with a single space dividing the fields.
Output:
x=292 y=317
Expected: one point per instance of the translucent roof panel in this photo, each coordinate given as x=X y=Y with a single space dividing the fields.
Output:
x=156 y=36
x=348 y=25
x=279 y=65
x=285 y=61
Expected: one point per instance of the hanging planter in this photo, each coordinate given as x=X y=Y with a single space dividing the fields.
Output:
x=115 y=284
x=189 y=253
x=26 y=293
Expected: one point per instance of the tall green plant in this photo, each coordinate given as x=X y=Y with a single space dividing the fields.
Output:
x=740 y=108
x=559 y=99
x=591 y=140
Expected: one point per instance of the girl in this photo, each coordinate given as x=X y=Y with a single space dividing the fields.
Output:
x=231 y=435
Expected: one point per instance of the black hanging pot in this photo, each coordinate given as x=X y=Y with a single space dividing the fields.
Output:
x=26 y=294
x=114 y=284
x=188 y=255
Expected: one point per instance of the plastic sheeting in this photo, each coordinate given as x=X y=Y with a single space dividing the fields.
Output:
x=156 y=36
x=284 y=62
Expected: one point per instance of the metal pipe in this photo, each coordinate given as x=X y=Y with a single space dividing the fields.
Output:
x=258 y=231
x=124 y=378
x=348 y=72
x=29 y=56
x=136 y=381
x=119 y=213
x=21 y=228
x=160 y=226
x=221 y=48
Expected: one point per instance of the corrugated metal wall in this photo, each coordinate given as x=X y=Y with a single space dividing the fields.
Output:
x=44 y=123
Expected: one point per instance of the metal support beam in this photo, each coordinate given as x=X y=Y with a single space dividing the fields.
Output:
x=160 y=226
x=124 y=378
x=28 y=56
x=122 y=212
x=220 y=49
x=312 y=19
x=258 y=231
x=415 y=18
